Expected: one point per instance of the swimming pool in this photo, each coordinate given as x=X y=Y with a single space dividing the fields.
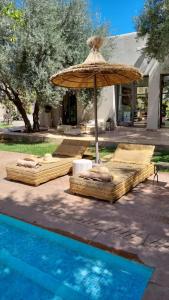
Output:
x=37 y=264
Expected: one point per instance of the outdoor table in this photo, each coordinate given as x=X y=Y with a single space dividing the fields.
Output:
x=80 y=165
x=160 y=166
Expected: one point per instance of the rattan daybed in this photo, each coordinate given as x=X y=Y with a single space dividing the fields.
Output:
x=129 y=166
x=65 y=154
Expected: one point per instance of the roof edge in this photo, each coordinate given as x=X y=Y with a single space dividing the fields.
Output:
x=123 y=34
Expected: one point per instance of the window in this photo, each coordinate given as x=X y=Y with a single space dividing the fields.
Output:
x=124 y=104
x=132 y=103
x=140 y=113
x=164 y=110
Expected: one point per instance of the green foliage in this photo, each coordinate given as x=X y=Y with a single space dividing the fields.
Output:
x=154 y=22
x=30 y=148
x=77 y=27
x=38 y=50
x=38 y=39
x=11 y=21
x=54 y=38
x=104 y=151
x=42 y=148
x=12 y=12
x=162 y=156
x=9 y=108
x=11 y=18
x=4 y=125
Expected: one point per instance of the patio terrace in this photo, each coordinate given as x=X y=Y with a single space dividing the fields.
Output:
x=136 y=226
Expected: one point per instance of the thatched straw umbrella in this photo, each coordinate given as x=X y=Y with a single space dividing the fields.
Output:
x=95 y=72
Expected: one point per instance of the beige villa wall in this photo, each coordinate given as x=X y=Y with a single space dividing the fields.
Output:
x=2 y=112
x=54 y=118
x=51 y=119
x=45 y=119
x=106 y=107
x=153 y=117
x=106 y=104
x=154 y=98
x=125 y=49
x=84 y=113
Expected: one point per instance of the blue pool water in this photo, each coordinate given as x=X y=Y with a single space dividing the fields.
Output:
x=37 y=264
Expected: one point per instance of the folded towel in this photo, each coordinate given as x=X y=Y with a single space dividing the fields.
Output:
x=96 y=176
x=26 y=163
x=31 y=158
x=100 y=170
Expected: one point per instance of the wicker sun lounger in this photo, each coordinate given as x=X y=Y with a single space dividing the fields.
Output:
x=129 y=166
x=65 y=154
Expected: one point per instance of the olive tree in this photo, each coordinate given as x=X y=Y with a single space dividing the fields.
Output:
x=10 y=22
x=50 y=35
x=154 y=22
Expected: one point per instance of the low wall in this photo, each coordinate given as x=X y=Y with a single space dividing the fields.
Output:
x=39 y=138
x=29 y=138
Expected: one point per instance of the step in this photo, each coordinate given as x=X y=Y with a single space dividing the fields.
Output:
x=39 y=277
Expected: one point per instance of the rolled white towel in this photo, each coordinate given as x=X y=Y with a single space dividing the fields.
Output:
x=47 y=157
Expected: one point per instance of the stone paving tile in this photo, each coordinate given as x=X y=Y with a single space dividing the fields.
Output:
x=116 y=239
x=161 y=275
x=154 y=257
x=156 y=292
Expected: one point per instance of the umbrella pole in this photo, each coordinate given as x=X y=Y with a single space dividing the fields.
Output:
x=96 y=121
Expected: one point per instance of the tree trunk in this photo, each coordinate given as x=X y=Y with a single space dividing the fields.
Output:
x=36 y=125
x=21 y=109
x=13 y=96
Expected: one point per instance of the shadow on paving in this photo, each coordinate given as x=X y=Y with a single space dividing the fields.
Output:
x=138 y=223
x=138 y=219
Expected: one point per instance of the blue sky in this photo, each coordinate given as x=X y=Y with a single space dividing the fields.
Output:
x=119 y=13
